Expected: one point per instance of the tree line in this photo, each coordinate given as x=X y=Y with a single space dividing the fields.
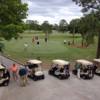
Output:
x=46 y=26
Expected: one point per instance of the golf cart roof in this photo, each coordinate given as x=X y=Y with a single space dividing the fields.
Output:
x=60 y=62
x=97 y=60
x=84 y=62
x=35 y=61
x=1 y=67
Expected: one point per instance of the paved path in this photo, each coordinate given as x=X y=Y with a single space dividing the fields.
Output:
x=7 y=62
x=53 y=89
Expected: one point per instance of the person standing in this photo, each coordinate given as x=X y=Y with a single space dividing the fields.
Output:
x=78 y=67
x=65 y=41
x=25 y=46
x=33 y=39
x=23 y=76
x=46 y=39
x=38 y=42
x=36 y=38
x=14 y=69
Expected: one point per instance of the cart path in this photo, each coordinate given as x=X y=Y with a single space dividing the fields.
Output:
x=7 y=62
x=52 y=88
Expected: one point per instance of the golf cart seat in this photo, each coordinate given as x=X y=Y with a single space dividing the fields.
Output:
x=60 y=69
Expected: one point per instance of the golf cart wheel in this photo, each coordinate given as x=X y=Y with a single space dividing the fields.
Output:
x=43 y=76
x=92 y=76
x=60 y=77
x=6 y=84
x=67 y=76
x=74 y=72
x=35 y=79
x=84 y=77
x=49 y=72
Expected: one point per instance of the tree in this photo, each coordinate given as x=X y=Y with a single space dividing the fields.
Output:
x=88 y=6
x=88 y=28
x=46 y=28
x=82 y=29
x=63 y=25
x=55 y=27
x=73 y=27
x=33 y=25
x=12 y=13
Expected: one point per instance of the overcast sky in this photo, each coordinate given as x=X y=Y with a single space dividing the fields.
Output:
x=52 y=10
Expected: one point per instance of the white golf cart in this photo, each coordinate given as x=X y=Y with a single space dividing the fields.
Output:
x=36 y=72
x=84 y=69
x=97 y=66
x=60 y=69
x=4 y=76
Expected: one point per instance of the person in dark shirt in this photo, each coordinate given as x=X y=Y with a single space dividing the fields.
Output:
x=46 y=39
x=23 y=76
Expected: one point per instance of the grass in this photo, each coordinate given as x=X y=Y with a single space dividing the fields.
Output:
x=48 y=51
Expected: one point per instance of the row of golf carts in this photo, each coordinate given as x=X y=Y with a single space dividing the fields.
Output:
x=61 y=69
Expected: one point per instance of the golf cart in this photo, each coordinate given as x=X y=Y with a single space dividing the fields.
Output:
x=84 y=69
x=60 y=69
x=97 y=66
x=4 y=76
x=35 y=70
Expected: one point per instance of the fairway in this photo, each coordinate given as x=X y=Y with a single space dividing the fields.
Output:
x=53 y=49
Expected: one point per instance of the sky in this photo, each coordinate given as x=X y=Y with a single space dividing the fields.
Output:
x=52 y=10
